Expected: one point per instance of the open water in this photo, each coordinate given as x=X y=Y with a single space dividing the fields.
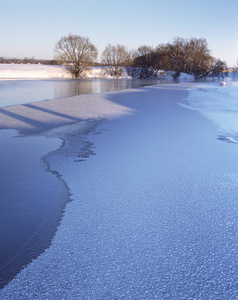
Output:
x=14 y=92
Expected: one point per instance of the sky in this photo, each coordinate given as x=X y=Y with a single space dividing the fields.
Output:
x=31 y=28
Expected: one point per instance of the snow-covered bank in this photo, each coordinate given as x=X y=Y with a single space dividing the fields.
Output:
x=40 y=116
x=154 y=212
x=219 y=104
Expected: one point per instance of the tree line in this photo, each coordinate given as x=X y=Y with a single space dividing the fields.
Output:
x=191 y=56
x=26 y=60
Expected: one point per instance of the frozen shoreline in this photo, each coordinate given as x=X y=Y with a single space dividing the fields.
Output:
x=107 y=246
x=218 y=104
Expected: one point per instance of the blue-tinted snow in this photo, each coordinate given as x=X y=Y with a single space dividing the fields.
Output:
x=218 y=103
x=154 y=213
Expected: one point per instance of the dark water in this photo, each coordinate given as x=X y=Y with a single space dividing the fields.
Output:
x=13 y=92
x=27 y=193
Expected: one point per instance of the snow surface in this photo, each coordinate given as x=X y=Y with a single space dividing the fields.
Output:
x=154 y=212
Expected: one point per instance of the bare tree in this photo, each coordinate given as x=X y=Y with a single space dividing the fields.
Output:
x=146 y=62
x=115 y=58
x=77 y=52
x=177 y=56
x=190 y=56
x=131 y=68
x=200 y=60
x=162 y=58
x=216 y=69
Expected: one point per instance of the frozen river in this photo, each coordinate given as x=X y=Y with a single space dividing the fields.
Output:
x=154 y=210
x=27 y=192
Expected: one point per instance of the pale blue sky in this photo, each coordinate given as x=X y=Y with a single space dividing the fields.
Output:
x=33 y=27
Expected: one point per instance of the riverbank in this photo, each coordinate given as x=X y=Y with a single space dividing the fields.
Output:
x=154 y=206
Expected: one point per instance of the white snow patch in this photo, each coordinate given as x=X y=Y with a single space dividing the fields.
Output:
x=33 y=71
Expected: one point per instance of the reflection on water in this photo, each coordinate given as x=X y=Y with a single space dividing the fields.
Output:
x=13 y=92
x=78 y=87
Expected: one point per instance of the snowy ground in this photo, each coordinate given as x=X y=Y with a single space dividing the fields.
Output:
x=154 y=212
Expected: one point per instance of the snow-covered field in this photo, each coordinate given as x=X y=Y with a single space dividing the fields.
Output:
x=32 y=71
x=154 y=188
x=26 y=71
x=38 y=71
